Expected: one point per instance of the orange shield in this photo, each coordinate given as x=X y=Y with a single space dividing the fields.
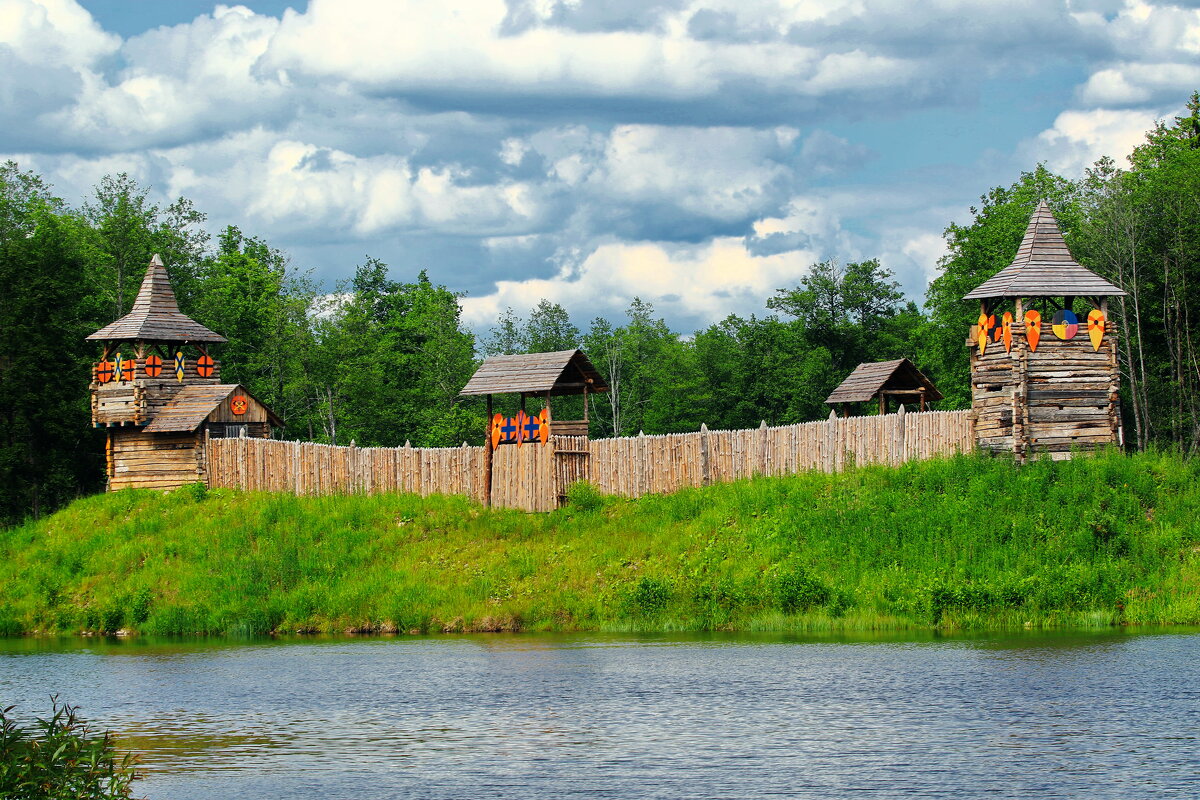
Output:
x=1033 y=328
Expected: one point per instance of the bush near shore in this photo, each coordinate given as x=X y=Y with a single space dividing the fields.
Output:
x=966 y=542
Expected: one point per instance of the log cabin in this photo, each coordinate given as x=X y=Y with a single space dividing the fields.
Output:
x=1037 y=385
x=162 y=396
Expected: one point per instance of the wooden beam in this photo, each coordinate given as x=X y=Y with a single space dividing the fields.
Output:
x=487 y=456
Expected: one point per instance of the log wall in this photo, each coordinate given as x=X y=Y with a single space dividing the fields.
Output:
x=138 y=460
x=535 y=477
x=1064 y=396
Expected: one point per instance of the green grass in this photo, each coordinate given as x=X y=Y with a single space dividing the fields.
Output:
x=968 y=542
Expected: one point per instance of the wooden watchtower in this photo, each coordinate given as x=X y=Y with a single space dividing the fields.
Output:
x=541 y=375
x=163 y=395
x=1044 y=375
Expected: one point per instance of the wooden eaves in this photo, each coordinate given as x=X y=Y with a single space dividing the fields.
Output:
x=1044 y=267
x=155 y=316
x=883 y=379
x=563 y=372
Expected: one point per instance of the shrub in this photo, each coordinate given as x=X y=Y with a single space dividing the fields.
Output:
x=584 y=496
x=61 y=758
x=798 y=591
x=649 y=596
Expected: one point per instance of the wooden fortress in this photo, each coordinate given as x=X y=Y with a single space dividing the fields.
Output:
x=1044 y=379
x=161 y=397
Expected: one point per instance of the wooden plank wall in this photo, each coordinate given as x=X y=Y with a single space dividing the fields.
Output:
x=533 y=477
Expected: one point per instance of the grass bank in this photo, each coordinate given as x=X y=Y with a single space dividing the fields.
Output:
x=968 y=542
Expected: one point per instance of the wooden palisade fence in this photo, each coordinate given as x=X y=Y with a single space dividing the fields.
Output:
x=535 y=477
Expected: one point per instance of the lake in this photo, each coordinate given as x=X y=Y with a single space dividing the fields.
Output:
x=1112 y=714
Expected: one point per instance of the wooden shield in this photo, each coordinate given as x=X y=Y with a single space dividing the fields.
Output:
x=981 y=335
x=128 y=369
x=520 y=420
x=1006 y=331
x=238 y=404
x=1065 y=324
x=496 y=435
x=104 y=371
x=180 y=365
x=152 y=366
x=544 y=418
x=204 y=366
x=1033 y=328
x=1095 y=323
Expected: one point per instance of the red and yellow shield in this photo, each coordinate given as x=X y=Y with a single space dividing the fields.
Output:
x=238 y=404
x=1095 y=325
x=1033 y=328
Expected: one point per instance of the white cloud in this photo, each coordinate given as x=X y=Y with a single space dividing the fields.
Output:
x=694 y=283
x=53 y=33
x=1078 y=138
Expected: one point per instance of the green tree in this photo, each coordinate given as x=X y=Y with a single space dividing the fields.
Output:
x=48 y=451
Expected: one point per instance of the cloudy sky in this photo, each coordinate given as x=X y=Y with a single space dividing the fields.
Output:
x=697 y=154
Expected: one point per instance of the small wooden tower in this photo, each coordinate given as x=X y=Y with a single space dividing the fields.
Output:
x=1044 y=376
x=544 y=375
x=881 y=381
x=163 y=395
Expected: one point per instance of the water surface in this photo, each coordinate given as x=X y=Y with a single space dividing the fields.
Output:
x=1104 y=715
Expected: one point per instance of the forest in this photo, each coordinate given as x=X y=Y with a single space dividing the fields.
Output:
x=380 y=359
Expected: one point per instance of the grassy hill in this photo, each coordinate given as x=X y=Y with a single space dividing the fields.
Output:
x=967 y=542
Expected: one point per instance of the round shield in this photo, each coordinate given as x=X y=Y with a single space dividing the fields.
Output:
x=152 y=366
x=1065 y=324
x=238 y=405
x=128 y=369
x=104 y=371
x=544 y=429
x=204 y=366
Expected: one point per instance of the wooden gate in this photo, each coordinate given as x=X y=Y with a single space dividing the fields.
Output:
x=535 y=477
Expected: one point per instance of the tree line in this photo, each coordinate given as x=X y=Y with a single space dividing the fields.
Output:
x=380 y=361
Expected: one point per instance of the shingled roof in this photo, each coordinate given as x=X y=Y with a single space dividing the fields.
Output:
x=560 y=372
x=1044 y=267
x=868 y=380
x=192 y=404
x=155 y=316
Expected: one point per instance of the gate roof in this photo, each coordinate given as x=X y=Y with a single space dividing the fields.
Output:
x=560 y=372
x=869 y=379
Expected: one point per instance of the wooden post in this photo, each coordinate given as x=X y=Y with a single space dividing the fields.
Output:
x=487 y=456
x=898 y=443
x=831 y=441
x=705 y=461
x=762 y=449
x=585 y=402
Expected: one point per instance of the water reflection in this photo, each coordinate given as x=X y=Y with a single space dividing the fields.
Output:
x=1029 y=714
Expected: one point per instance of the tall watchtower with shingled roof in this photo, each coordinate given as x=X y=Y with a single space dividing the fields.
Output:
x=159 y=393
x=1044 y=375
